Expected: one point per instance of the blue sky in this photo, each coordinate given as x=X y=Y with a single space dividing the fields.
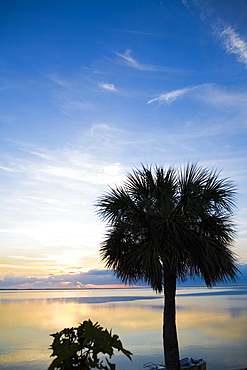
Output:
x=90 y=89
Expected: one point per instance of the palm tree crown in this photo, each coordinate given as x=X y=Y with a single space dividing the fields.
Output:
x=170 y=221
x=166 y=225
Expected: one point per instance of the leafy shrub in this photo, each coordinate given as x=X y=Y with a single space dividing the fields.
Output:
x=80 y=347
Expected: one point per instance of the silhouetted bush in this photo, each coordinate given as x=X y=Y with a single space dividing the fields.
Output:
x=80 y=348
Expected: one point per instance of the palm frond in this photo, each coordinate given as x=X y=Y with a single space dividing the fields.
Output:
x=170 y=221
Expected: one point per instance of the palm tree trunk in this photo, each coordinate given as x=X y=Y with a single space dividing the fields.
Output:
x=170 y=340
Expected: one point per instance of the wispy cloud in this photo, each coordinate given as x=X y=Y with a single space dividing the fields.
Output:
x=7 y=169
x=128 y=60
x=171 y=96
x=65 y=83
x=72 y=164
x=107 y=86
x=208 y=93
x=141 y=33
x=72 y=94
x=57 y=189
x=221 y=97
x=96 y=278
x=233 y=43
x=92 y=278
x=231 y=40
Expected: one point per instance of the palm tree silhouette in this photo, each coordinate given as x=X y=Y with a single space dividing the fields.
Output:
x=166 y=225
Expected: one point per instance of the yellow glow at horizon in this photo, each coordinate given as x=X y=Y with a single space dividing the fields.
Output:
x=70 y=260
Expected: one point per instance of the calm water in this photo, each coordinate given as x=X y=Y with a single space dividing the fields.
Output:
x=212 y=323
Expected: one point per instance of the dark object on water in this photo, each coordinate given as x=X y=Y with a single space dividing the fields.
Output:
x=185 y=364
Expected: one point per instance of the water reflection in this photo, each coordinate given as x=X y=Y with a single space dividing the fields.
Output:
x=211 y=323
x=106 y=299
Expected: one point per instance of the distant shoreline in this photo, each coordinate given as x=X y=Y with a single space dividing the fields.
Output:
x=122 y=288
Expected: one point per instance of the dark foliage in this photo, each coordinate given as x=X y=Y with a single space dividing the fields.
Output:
x=80 y=348
x=165 y=225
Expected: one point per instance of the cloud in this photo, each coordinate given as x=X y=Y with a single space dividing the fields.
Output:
x=171 y=96
x=219 y=96
x=207 y=93
x=131 y=62
x=53 y=204
x=72 y=94
x=92 y=278
x=3 y=168
x=142 y=33
x=95 y=278
x=233 y=43
x=69 y=163
x=67 y=84
x=231 y=40
x=107 y=86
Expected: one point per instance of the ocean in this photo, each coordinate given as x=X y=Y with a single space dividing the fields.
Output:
x=211 y=323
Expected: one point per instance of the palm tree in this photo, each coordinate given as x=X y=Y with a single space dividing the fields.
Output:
x=167 y=225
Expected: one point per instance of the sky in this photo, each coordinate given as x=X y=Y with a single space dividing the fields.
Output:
x=91 y=89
